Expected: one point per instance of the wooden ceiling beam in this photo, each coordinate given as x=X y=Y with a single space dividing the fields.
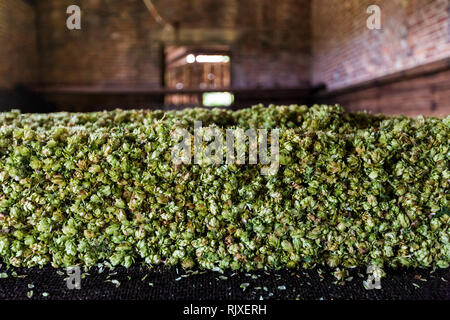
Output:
x=154 y=13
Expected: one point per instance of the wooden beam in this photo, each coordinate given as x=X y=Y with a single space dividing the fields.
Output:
x=155 y=14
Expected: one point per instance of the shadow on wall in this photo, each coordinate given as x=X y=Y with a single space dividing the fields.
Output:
x=24 y=99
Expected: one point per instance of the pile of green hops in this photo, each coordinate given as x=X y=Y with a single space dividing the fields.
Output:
x=352 y=190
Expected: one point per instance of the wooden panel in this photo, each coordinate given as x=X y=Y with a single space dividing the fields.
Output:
x=423 y=90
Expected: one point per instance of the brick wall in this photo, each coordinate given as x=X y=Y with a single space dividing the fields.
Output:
x=121 y=44
x=346 y=52
x=18 y=54
x=114 y=46
x=284 y=43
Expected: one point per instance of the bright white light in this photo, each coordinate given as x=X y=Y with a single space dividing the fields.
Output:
x=190 y=58
x=217 y=99
x=211 y=58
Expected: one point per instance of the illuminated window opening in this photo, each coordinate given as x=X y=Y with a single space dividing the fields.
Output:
x=218 y=99
x=192 y=70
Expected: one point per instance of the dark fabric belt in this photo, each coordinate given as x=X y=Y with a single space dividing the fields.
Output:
x=140 y=283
